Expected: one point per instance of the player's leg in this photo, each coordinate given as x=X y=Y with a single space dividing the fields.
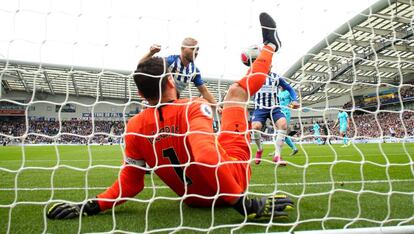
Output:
x=342 y=133
x=288 y=139
x=234 y=139
x=325 y=135
x=258 y=120
x=318 y=137
x=234 y=136
x=345 y=136
x=257 y=73
x=281 y=124
x=292 y=145
x=257 y=127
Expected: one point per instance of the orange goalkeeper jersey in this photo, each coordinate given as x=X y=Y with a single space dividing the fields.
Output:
x=177 y=140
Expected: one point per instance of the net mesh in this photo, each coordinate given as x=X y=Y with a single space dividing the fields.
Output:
x=63 y=126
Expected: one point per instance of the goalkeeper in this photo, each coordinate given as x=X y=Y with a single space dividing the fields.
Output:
x=176 y=138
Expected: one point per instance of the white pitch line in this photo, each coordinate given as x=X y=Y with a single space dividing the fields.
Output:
x=62 y=160
x=120 y=160
x=251 y=185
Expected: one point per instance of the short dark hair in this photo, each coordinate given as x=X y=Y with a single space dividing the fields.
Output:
x=147 y=77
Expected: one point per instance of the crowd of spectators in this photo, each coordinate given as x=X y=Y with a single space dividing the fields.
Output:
x=367 y=125
x=370 y=125
x=67 y=132
x=389 y=124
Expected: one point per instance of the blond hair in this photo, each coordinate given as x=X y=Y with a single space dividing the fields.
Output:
x=189 y=42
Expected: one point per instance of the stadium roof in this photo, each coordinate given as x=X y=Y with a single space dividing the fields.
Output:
x=373 y=48
x=82 y=81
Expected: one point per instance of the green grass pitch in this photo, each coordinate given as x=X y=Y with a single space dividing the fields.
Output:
x=364 y=185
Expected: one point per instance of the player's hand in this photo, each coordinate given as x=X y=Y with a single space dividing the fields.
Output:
x=294 y=105
x=155 y=48
x=70 y=210
x=271 y=207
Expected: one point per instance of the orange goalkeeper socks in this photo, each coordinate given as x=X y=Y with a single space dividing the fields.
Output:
x=257 y=73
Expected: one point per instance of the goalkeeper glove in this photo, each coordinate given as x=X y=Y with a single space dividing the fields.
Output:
x=265 y=208
x=69 y=211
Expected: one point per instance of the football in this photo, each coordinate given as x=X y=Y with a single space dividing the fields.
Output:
x=249 y=55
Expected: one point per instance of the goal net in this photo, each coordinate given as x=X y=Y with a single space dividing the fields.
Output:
x=67 y=94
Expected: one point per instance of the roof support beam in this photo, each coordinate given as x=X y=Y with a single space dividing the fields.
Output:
x=376 y=31
x=315 y=73
x=356 y=42
x=5 y=88
x=75 y=86
x=22 y=81
x=394 y=59
x=323 y=62
x=348 y=56
x=393 y=18
x=345 y=54
x=403 y=48
x=361 y=79
x=126 y=88
x=408 y=2
x=49 y=84
x=9 y=77
x=337 y=85
x=385 y=69
x=100 y=89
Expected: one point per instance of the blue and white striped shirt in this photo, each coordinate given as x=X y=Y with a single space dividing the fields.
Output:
x=266 y=97
x=183 y=74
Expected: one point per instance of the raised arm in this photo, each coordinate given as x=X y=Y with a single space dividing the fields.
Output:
x=295 y=104
x=129 y=183
x=153 y=50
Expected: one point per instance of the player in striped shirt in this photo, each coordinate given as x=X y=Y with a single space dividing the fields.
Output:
x=267 y=107
x=184 y=69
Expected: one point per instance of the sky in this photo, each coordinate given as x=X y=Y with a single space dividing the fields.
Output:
x=116 y=34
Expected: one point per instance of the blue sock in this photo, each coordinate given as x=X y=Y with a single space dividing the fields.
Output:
x=345 y=140
x=290 y=143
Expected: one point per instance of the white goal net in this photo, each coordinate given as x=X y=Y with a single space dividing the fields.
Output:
x=68 y=92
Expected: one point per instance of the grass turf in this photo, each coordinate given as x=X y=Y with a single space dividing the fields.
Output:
x=359 y=186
